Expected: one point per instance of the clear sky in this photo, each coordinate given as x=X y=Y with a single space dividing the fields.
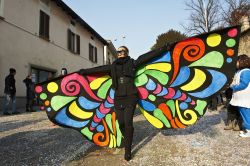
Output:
x=140 y=21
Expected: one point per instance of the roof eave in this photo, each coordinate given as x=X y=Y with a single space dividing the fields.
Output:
x=77 y=18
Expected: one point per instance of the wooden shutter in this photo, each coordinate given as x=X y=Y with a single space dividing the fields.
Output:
x=73 y=38
x=47 y=18
x=69 y=39
x=41 y=29
x=77 y=44
x=95 y=54
x=90 y=52
x=44 y=25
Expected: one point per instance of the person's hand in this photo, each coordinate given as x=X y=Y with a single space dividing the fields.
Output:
x=82 y=71
x=8 y=97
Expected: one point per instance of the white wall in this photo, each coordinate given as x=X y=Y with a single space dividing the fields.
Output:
x=21 y=46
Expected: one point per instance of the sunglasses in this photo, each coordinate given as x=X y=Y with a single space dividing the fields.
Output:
x=120 y=51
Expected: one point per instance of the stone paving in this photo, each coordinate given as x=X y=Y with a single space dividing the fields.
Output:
x=31 y=139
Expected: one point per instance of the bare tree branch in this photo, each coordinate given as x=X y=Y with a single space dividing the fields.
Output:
x=234 y=11
x=204 y=16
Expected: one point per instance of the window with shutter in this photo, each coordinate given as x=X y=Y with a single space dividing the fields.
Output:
x=92 y=53
x=73 y=42
x=44 y=25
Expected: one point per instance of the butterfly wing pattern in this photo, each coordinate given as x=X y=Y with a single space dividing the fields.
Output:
x=84 y=103
x=175 y=88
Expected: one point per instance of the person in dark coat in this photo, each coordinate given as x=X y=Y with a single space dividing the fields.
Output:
x=64 y=71
x=123 y=72
x=10 y=93
x=234 y=121
x=30 y=94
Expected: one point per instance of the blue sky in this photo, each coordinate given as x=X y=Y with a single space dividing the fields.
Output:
x=140 y=21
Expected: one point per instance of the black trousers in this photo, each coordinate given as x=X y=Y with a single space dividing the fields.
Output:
x=233 y=114
x=125 y=112
x=29 y=104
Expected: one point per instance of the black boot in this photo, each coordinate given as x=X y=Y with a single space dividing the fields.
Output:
x=229 y=125
x=27 y=108
x=236 y=125
x=129 y=131
x=127 y=157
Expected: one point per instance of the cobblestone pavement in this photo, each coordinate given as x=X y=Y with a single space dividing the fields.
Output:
x=31 y=139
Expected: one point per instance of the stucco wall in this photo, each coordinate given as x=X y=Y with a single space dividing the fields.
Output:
x=21 y=47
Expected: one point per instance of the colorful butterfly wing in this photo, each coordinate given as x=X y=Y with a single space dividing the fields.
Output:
x=175 y=87
x=84 y=103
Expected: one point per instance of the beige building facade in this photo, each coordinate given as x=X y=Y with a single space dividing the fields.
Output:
x=244 y=45
x=40 y=37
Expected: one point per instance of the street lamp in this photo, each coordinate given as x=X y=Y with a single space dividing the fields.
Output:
x=123 y=40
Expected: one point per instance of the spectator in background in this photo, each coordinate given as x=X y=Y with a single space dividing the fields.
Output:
x=234 y=120
x=64 y=71
x=241 y=92
x=30 y=94
x=10 y=93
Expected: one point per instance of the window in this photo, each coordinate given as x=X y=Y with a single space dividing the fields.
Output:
x=73 y=42
x=1 y=8
x=92 y=53
x=44 y=25
x=40 y=75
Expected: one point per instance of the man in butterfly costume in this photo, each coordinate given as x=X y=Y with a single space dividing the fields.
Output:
x=174 y=85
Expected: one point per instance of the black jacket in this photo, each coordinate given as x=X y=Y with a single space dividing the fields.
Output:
x=29 y=88
x=129 y=67
x=10 y=87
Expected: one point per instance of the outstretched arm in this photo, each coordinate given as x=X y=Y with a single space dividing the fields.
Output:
x=95 y=70
x=244 y=81
x=151 y=55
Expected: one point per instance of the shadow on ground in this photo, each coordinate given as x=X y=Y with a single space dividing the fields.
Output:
x=14 y=124
x=41 y=147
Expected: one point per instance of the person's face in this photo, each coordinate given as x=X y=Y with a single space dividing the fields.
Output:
x=121 y=52
x=237 y=64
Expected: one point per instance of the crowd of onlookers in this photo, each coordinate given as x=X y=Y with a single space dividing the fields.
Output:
x=10 y=92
